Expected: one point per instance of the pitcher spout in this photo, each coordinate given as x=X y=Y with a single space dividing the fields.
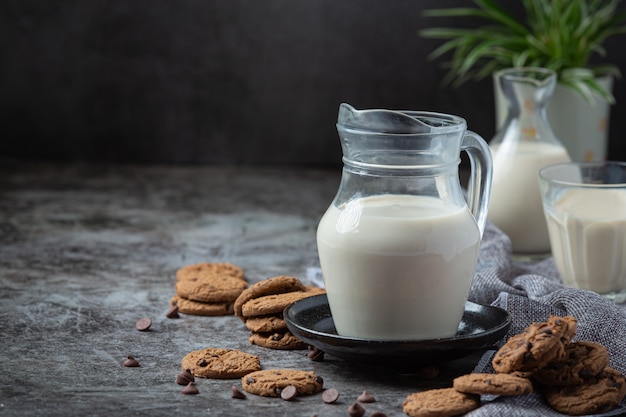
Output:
x=380 y=121
x=399 y=139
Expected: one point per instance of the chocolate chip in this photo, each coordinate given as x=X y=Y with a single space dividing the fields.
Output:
x=315 y=354
x=288 y=393
x=202 y=362
x=378 y=414
x=185 y=377
x=236 y=393
x=319 y=380
x=366 y=397
x=190 y=389
x=172 y=313
x=356 y=410
x=330 y=395
x=250 y=380
x=277 y=336
x=130 y=362
x=528 y=357
x=560 y=365
x=143 y=324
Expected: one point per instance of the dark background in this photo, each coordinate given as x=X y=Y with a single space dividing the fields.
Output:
x=223 y=81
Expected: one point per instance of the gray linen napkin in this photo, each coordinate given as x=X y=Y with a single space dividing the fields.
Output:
x=530 y=293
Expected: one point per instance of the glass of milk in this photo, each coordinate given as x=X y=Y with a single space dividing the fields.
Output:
x=585 y=209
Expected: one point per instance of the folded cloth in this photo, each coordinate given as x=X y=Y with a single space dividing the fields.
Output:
x=531 y=292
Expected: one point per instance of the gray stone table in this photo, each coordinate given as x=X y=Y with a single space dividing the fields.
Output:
x=85 y=251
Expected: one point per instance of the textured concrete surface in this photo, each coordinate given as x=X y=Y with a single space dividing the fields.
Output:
x=86 y=251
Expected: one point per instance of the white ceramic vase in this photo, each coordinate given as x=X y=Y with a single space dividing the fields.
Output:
x=580 y=126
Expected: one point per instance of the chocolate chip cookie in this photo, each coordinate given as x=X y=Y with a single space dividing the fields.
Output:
x=276 y=285
x=220 y=363
x=280 y=340
x=211 y=288
x=275 y=303
x=266 y=324
x=583 y=360
x=539 y=344
x=599 y=394
x=199 y=308
x=443 y=402
x=494 y=384
x=208 y=269
x=270 y=382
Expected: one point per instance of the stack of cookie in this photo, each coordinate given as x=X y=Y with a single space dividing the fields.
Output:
x=574 y=377
x=208 y=289
x=261 y=307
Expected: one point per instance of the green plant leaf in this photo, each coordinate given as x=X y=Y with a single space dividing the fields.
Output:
x=601 y=91
x=577 y=74
x=499 y=15
x=607 y=70
x=583 y=80
x=582 y=89
x=562 y=35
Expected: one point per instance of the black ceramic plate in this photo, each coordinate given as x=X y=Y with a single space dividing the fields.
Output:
x=481 y=328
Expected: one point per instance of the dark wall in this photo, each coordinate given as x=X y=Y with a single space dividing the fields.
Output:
x=233 y=81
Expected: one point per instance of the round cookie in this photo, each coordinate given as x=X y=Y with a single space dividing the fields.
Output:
x=266 y=324
x=583 y=360
x=220 y=363
x=494 y=384
x=275 y=303
x=539 y=344
x=597 y=395
x=211 y=288
x=282 y=340
x=276 y=285
x=444 y=402
x=270 y=382
x=206 y=268
x=198 y=308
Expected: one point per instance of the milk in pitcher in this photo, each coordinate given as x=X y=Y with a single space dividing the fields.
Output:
x=397 y=266
x=515 y=205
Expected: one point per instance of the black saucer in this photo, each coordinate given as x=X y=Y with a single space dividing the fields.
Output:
x=480 y=329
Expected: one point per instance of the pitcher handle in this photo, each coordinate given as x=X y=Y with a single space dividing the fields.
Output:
x=479 y=188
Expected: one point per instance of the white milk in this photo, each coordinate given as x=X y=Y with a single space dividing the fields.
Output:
x=588 y=234
x=515 y=205
x=397 y=267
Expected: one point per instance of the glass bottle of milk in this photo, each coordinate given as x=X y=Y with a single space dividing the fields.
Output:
x=524 y=144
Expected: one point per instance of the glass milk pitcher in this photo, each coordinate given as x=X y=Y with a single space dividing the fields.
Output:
x=398 y=245
x=523 y=145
